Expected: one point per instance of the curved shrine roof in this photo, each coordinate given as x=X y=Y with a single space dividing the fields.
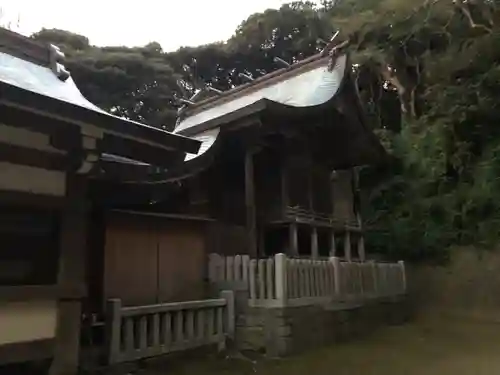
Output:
x=309 y=83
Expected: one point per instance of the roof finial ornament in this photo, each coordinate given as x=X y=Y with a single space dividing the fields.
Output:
x=333 y=50
x=245 y=76
x=192 y=99
x=186 y=101
x=57 y=59
x=330 y=44
x=213 y=89
x=281 y=61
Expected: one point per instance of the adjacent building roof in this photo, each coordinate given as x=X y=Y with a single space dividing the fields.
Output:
x=33 y=79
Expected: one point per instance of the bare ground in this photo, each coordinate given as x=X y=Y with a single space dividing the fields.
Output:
x=430 y=346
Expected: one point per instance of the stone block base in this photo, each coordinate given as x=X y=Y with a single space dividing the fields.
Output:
x=291 y=330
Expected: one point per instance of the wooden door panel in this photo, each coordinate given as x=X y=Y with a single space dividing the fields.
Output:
x=131 y=262
x=182 y=262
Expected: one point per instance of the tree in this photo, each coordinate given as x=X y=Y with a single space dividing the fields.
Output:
x=441 y=190
x=144 y=83
x=290 y=33
x=137 y=83
x=63 y=39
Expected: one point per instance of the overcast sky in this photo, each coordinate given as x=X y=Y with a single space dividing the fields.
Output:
x=172 y=23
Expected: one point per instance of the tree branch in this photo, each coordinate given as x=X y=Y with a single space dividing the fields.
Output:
x=464 y=7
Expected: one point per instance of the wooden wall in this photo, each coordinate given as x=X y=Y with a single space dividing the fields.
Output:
x=151 y=259
x=343 y=195
x=268 y=174
x=227 y=239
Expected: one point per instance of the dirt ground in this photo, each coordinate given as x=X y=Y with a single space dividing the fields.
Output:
x=434 y=346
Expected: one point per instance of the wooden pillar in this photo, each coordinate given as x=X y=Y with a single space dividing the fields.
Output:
x=333 y=246
x=293 y=239
x=250 y=204
x=361 y=247
x=285 y=200
x=262 y=241
x=72 y=260
x=332 y=191
x=361 y=240
x=310 y=186
x=314 y=243
x=347 y=246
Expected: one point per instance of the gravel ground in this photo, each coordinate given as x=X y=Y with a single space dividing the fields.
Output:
x=434 y=346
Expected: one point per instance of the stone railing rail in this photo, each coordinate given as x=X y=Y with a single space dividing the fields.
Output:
x=281 y=281
x=146 y=331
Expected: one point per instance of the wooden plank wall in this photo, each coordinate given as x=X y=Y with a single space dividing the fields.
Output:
x=151 y=260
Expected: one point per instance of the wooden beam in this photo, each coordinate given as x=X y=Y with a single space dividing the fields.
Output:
x=361 y=238
x=333 y=245
x=32 y=157
x=361 y=248
x=314 y=243
x=27 y=199
x=310 y=187
x=347 y=246
x=332 y=190
x=142 y=152
x=293 y=239
x=250 y=204
x=284 y=184
x=72 y=262
x=40 y=292
x=41 y=111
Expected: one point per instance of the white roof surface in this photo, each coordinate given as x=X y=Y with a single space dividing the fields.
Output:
x=41 y=80
x=308 y=89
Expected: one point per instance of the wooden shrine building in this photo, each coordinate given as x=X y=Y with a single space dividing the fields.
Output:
x=54 y=144
x=277 y=163
x=276 y=171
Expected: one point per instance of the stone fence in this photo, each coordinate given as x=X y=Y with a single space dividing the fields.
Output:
x=281 y=281
x=147 y=331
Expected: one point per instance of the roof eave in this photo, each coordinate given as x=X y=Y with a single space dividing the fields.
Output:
x=51 y=107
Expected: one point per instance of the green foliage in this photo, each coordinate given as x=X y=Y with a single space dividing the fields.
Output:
x=62 y=39
x=428 y=74
x=137 y=83
x=442 y=189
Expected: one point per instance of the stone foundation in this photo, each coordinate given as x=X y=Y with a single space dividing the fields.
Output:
x=291 y=330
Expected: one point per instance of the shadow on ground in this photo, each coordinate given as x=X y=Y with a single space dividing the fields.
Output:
x=437 y=345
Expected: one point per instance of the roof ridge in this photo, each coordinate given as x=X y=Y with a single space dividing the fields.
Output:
x=254 y=85
x=23 y=47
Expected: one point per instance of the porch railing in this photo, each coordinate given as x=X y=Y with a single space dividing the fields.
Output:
x=147 y=331
x=283 y=281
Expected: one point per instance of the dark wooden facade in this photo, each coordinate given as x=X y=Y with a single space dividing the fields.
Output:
x=154 y=258
x=275 y=180
x=51 y=147
x=291 y=192
x=279 y=179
